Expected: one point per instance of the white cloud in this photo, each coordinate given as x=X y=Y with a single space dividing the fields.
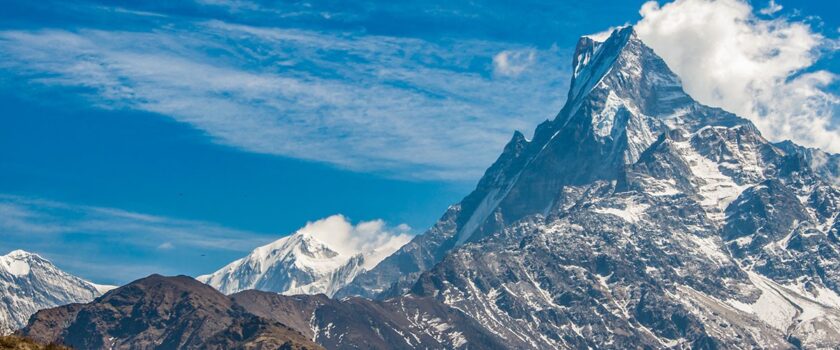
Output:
x=513 y=63
x=759 y=69
x=166 y=246
x=772 y=7
x=398 y=106
x=374 y=239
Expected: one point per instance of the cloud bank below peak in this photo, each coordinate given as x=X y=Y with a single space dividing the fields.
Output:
x=759 y=68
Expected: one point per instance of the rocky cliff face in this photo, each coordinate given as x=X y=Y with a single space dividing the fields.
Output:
x=29 y=283
x=408 y=322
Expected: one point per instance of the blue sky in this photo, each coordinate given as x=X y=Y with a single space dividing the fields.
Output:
x=141 y=137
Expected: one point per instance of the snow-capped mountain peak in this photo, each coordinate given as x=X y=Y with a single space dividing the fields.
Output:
x=322 y=257
x=29 y=283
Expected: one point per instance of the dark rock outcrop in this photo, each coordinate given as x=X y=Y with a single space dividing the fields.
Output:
x=159 y=312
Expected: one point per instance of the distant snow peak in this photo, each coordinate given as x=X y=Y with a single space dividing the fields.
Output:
x=321 y=257
x=15 y=263
x=29 y=283
x=367 y=237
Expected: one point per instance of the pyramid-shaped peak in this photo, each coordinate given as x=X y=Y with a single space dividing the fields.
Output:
x=588 y=44
x=623 y=65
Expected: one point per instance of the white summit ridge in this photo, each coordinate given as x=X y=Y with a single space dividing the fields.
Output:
x=29 y=283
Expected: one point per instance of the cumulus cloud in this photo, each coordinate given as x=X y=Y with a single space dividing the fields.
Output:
x=761 y=69
x=374 y=239
x=513 y=63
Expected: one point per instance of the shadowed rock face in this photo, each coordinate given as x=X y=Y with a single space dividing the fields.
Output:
x=162 y=313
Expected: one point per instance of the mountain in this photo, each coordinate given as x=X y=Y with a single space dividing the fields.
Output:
x=637 y=217
x=304 y=263
x=181 y=313
x=621 y=99
x=408 y=322
x=159 y=312
x=29 y=283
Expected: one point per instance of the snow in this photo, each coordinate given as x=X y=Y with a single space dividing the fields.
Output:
x=658 y=188
x=784 y=306
x=29 y=283
x=632 y=212
x=772 y=307
x=17 y=267
x=103 y=288
x=715 y=189
x=821 y=294
x=322 y=257
x=743 y=241
x=15 y=263
x=602 y=123
x=710 y=247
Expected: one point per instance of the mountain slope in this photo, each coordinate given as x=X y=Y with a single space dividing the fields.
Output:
x=637 y=217
x=162 y=312
x=304 y=263
x=181 y=313
x=29 y=283
x=296 y=264
x=408 y=322
x=621 y=98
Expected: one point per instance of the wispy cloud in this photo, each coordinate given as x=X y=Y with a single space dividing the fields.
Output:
x=398 y=106
x=109 y=245
x=23 y=217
